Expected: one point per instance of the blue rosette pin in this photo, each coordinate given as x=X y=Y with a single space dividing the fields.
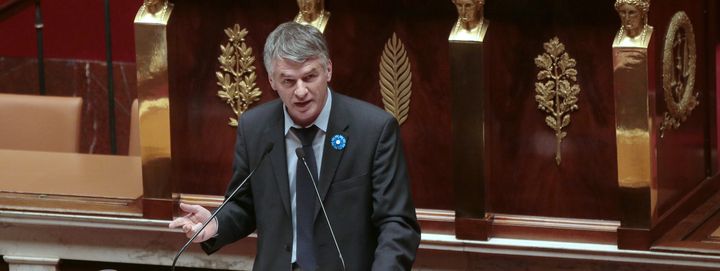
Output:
x=338 y=142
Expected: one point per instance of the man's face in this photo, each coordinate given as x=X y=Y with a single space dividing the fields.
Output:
x=302 y=87
x=631 y=19
x=467 y=9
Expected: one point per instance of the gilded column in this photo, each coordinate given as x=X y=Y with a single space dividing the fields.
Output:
x=635 y=130
x=153 y=94
x=468 y=118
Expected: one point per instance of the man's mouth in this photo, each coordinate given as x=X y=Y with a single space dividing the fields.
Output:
x=302 y=104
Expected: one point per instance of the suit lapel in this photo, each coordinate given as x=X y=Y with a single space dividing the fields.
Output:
x=278 y=159
x=337 y=125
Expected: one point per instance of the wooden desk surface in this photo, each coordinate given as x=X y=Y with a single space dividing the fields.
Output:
x=70 y=174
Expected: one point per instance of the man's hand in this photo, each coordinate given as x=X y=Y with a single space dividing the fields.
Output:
x=191 y=223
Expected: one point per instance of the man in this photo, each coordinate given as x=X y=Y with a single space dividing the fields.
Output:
x=360 y=172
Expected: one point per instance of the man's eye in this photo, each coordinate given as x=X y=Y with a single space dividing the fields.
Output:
x=309 y=77
x=287 y=82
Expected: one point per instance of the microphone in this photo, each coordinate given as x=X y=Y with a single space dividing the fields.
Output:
x=301 y=156
x=267 y=150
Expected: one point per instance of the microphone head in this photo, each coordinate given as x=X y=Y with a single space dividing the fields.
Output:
x=300 y=153
x=268 y=147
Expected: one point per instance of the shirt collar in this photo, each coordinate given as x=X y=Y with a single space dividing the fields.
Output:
x=321 y=121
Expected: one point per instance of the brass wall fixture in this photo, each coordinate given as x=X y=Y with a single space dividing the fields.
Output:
x=312 y=12
x=237 y=73
x=679 y=58
x=557 y=88
x=395 y=79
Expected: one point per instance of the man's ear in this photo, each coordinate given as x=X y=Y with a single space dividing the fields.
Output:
x=329 y=70
x=272 y=84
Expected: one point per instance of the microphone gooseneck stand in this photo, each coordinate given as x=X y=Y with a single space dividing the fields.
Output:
x=301 y=155
x=232 y=195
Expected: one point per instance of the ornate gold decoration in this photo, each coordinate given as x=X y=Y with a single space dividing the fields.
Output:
x=471 y=25
x=154 y=6
x=396 y=79
x=634 y=29
x=558 y=94
x=312 y=12
x=237 y=76
x=679 y=59
x=154 y=11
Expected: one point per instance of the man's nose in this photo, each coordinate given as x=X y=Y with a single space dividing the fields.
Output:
x=301 y=88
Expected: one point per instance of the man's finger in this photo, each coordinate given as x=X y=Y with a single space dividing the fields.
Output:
x=188 y=228
x=196 y=227
x=193 y=209
x=180 y=221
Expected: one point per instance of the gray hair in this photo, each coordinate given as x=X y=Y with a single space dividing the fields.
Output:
x=295 y=42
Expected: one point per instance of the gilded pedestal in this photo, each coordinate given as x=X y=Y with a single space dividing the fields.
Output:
x=468 y=121
x=636 y=135
x=153 y=94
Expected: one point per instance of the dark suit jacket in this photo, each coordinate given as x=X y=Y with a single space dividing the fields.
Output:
x=364 y=187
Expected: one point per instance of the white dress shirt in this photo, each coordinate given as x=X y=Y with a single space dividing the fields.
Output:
x=292 y=142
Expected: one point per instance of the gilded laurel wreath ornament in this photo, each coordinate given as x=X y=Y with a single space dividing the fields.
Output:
x=237 y=73
x=395 y=79
x=557 y=88
x=679 y=58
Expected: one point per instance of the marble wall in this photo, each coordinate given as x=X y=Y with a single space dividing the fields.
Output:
x=82 y=78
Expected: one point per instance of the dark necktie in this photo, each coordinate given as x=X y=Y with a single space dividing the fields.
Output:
x=305 y=199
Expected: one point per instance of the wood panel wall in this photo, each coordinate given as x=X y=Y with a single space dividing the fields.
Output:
x=686 y=156
x=357 y=31
x=521 y=177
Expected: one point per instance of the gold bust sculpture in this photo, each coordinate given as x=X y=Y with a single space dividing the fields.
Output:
x=471 y=25
x=634 y=30
x=153 y=6
x=154 y=11
x=312 y=12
